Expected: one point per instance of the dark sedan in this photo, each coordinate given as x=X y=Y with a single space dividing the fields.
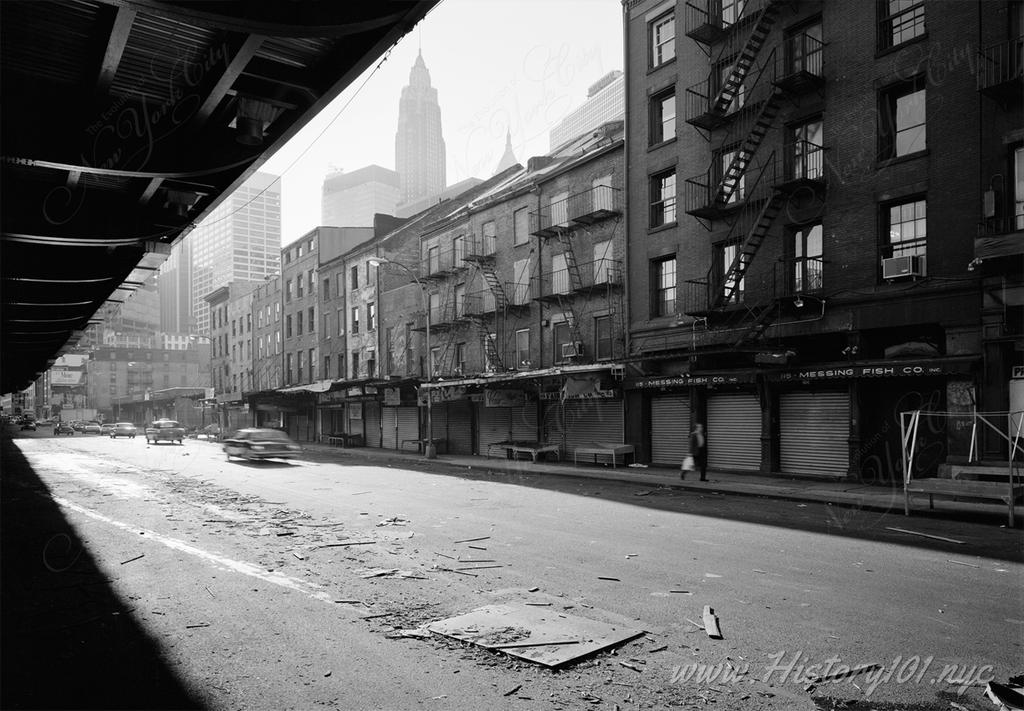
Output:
x=257 y=443
x=63 y=428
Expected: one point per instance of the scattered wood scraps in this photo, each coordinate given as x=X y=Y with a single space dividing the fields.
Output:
x=925 y=535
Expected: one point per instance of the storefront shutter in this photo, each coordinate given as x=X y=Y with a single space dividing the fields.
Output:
x=734 y=432
x=460 y=427
x=389 y=428
x=670 y=430
x=814 y=431
x=589 y=421
x=492 y=425
x=523 y=422
x=400 y=423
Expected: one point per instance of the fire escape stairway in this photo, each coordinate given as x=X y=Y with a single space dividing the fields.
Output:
x=494 y=284
x=733 y=277
x=751 y=48
x=565 y=300
x=745 y=153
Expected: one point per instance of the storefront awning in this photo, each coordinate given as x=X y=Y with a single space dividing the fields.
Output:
x=951 y=365
x=320 y=386
x=523 y=375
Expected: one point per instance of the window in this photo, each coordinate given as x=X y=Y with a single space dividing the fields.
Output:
x=354 y=278
x=807 y=264
x=521 y=225
x=409 y=364
x=288 y=326
x=371 y=363
x=389 y=354
x=341 y=283
x=435 y=361
x=559 y=206
x=604 y=267
x=459 y=296
x=460 y=358
x=298 y=323
x=906 y=228
x=311 y=282
x=312 y=364
x=435 y=307
x=354 y=326
x=732 y=281
x=459 y=249
x=901 y=120
x=248 y=323
x=732 y=11
x=603 y=337
x=288 y=290
x=233 y=321
x=277 y=313
x=805 y=156
x=521 y=282
x=560 y=336
x=341 y=367
x=523 y=349
x=311 y=321
x=309 y=246
x=490 y=238
x=1018 y=188
x=663 y=39
x=341 y=323
x=899 y=21
x=663 y=116
x=298 y=287
x=559 y=275
x=371 y=316
x=804 y=49
x=327 y=290
x=663 y=286
x=287 y=256
x=433 y=259
x=298 y=366
x=288 y=368
x=663 y=198
x=327 y=326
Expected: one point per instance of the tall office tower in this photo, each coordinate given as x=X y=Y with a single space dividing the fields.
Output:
x=174 y=282
x=239 y=241
x=605 y=102
x=352 y=199
x=419 y=146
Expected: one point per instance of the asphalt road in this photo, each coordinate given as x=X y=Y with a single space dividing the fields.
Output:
x=229 y=567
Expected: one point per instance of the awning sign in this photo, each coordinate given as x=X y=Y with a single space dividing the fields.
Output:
x=585 y=387
x=392 y=397
x=880 y=370
x=696 y=379
x=504 y=398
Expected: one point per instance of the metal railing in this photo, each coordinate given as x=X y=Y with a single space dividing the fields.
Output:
x=598 y=273
x=479 y=246
x=1001 y=63
x=803 y=54
x=803 y=160
x=585 y=207
x=479 y=303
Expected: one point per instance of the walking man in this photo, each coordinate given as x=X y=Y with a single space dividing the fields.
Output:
x=698 y=450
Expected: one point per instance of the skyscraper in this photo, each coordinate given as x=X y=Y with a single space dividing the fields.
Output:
x=605 y=102
x=419 y=146
x=239 y=241
x=352 y=199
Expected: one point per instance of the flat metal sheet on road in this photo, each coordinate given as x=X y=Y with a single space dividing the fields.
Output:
x=543 y=636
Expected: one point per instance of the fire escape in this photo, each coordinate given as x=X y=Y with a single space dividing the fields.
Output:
x=735 y=109
x=577 y=285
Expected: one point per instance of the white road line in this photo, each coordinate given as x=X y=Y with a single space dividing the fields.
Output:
x=220 y=561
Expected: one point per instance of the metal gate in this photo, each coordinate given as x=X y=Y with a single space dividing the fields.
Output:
x=581 y=422
x=400 y=423
x=460 y=427
x=814 y=432
x=670 y=429
x=734 y=432
x=371 y=415
x=523 y=422
x=492 y=425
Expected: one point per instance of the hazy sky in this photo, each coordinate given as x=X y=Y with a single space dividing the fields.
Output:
x=497 y=65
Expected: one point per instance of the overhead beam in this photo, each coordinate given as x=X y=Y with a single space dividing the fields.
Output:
x=245 y=52
x=115 y=48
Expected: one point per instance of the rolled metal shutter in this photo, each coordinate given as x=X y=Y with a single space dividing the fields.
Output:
x=408 y=424
x=439 y=415
x=371 y=413
x=523 y=422
x=589 y=421
x=814 y=432
x=670 y=430
x=734 y=432
x=460 y=427
x=492 y=425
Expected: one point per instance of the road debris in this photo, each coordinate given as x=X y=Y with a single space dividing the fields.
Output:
x=662 y=648
x=477 y=548
x=379 y=573
x=480 y=567
x=517 y=645
x=711 y=623
x=207 y=589
x=533 y=589
x=1005 y=697
x=130 y=560
x=602 y=577
x=193 y=627
x=631 y=666
x=969 y=565
x=538 y=604
x=473 y=540
x=513 y=690
x=346 y=543
x=925 y=535
x=298 y=555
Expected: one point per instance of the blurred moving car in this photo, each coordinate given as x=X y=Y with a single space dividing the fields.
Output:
x=164 y=430
x=123 y=429
x=260 y=443
x=63 y=428
x=78 y=425
x=106 y=428
x=29 y=425
x=92 y=427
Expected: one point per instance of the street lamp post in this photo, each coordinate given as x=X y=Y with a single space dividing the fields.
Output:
x=429 y=449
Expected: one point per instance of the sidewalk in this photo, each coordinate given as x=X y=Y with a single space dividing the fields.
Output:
x=828 y=491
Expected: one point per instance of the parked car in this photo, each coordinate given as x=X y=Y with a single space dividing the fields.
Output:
x=122 y=429
x=92 y=427
x=63 y=428
x=260 y=443
x=161 y=430
x=106 y=428
x=29 y=425
x=78 y=425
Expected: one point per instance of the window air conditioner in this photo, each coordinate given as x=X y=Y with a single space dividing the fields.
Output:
x=903 y=267
x=572 y=350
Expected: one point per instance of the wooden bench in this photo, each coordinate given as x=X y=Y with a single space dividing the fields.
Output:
x=511 y=448
x=343 y=439
x=439 y=443
x=964 y=489
x=596 y=449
